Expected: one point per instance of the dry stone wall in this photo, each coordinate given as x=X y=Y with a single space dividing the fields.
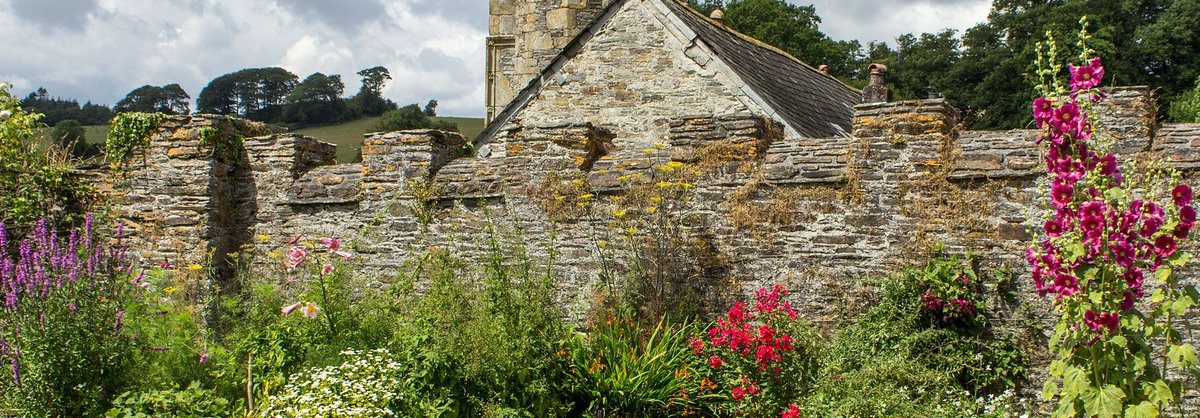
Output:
x=816 y=214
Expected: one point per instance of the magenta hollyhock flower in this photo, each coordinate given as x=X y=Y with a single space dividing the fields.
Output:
x=1092 y=226
x=1062 y=194
x=1187 y=216
x=1135 y=279
x=1181 y=231
x=1122 y=251
x=1164 y=246
x=1043 y=110
x=1127 y=301
x=1087 y=76
x=1151 y=225
x=1092 y=209
x=1067 y=116
x=1182 y=195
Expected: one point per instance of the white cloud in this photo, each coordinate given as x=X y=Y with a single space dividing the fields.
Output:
x=102 y=49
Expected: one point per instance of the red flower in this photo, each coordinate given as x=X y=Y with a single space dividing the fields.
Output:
x=715 y=362
x=1182 y=195
x=791 y=412
x=738 y=393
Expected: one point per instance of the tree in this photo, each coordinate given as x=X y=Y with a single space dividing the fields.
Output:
x=56 y=109
x=170 y=99
x=791 y=28
x=253 y=93
x=431 y=108
x=411 y=117
x=369 y=100
x=71 y=136
x=316 y=100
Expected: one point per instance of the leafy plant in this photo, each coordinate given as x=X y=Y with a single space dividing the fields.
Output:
x=62 y=327
x=1109 y=230
x=616 y=370
x=127 y=133
x=190 y=402
x=365 y=384
x=762 y=356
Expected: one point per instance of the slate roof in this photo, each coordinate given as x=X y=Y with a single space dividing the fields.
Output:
x=811 y=103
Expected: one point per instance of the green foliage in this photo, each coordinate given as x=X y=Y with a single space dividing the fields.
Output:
x=191 y=402
x=34 y=183
x=411 y=117
x=128 y=132
x=365 y=384
x=616 y=370
x=316 y=101
x=253 y=93
x=170 y=99
x=58 y=109
x=897 y=337
x=1187 y=107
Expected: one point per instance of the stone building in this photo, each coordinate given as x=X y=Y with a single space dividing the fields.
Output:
x=630 y=66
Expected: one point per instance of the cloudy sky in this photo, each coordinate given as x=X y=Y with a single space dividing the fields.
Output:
x=99 y=50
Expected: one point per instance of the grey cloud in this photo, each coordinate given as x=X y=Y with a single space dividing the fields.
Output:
x=471 y=12
x=344 y=15
x=68 y=15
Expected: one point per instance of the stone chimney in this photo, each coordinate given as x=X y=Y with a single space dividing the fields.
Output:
x=718 y=15
x=877 y=89
x=824 y=69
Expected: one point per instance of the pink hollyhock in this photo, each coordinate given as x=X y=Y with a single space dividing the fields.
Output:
x=1182 y=195
x=1053 y=228
x=1134 y=279
x=1164 y=246
x=1043 y=110
x=1127 y=301
x=1061 y=194
x=1067 y=116
x=1087 y=76
x=1187 y=216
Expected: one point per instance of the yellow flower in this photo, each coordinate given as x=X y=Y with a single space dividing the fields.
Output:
x=656 y=199
x=263 y=238
x=652 y=210
x=631 y=230
x=648 y=150
x=619 y=213
x=602 y=244
x=195 y=267
x=577 y=182
x=665 y=184
x=586 y=196
x=170 y=290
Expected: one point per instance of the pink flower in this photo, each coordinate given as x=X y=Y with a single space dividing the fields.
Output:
x=1182 y=195
x=1087 y=76
x=1053 y=228
x=295 y=239
x=310 y=310
x=165 y=265
x=738 y=393
x=326 y=269
x=697 y=345
x=1164 y=246
x=1043 y=110
x=1062 y=194
x=345 y=255
x=792 y=411
x=332 y=244
x=204 y=358
x=295 y=257
x=1067 y=116
x=1187 y=216
x=288 y=309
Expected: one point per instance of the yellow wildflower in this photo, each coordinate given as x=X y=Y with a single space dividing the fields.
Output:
x=195 y=267
x=631 y=230
x=619 y=213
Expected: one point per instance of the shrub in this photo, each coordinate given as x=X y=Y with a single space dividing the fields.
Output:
x=365 y=384
x=34 y=183
x=411 y=117
x=762 y=356
x=191 y=402
x=62 y=332
x=901 y=337
x=617 y=371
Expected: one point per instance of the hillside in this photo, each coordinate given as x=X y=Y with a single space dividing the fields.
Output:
x=347 y=136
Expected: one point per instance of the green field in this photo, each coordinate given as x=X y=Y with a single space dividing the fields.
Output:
x=347 y=136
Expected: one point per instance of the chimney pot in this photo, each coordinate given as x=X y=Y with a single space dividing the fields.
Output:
x=877 y=90
x=824 y=69
x=718 y=15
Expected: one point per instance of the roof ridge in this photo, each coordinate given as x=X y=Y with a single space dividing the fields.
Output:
x=753 y=40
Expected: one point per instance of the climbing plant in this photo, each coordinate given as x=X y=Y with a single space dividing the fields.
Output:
x=128 y=132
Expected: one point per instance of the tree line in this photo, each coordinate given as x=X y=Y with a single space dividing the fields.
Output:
x=987 y=70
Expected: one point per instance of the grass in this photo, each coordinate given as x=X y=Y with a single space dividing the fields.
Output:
x=347 y=136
